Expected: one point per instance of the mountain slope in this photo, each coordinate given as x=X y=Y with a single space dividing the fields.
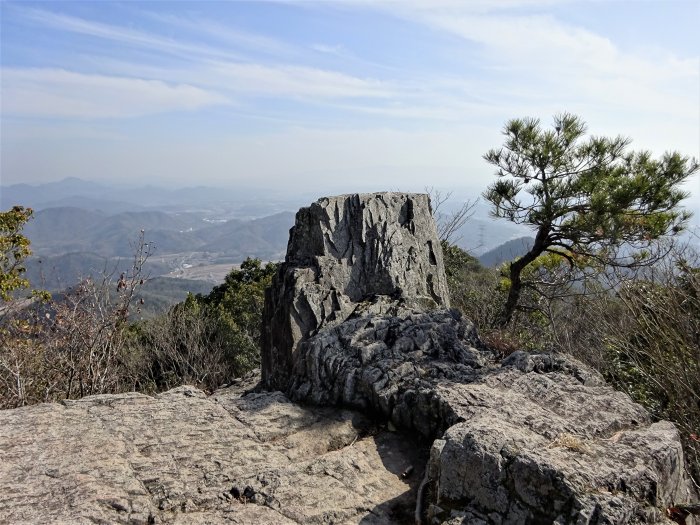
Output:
x=62 y=230
x=506 y=251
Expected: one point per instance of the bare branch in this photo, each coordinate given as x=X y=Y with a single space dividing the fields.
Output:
x=449 y=224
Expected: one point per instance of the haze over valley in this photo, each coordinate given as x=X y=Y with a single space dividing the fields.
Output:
x=197 y=235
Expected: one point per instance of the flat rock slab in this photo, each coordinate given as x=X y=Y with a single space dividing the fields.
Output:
x=183 y=457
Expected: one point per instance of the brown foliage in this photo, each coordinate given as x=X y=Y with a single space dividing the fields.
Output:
x=69 y=346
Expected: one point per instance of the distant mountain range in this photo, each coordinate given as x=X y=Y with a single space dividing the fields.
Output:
x=110 y=199
x=82 y=228
x=56 y=231
x=71 y=244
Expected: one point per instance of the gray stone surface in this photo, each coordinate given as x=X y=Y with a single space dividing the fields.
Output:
x=342 y=252
x=390 y=365
x=535 y=439
x=538 y=438
x=542 y=447
x=182 y=457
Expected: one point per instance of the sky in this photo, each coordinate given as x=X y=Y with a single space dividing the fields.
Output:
x=332 y=96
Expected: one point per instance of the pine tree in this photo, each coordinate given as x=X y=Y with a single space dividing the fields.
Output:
x=587 y=198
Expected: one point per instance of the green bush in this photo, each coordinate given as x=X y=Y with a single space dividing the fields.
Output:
x=206 y=340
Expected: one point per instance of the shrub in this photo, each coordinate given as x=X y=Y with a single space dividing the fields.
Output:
x=71 y=345
x=208 y=339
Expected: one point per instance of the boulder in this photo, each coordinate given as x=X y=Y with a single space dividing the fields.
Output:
x=534 y=439
x=390 y=365
x=342 y=252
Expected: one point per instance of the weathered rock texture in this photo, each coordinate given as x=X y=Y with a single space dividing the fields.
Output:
x=182 y=457
x=342 y=252
x=534 y=439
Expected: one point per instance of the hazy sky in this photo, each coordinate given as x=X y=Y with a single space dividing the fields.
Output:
x=335 y=95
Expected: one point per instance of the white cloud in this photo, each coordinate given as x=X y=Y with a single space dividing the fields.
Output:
x=455 y=6
x=216 y=67
x=46 y=92
x=121 y=34
x=336 y=50
x=226 y=33
x=546 y=58
x=242 y=79
x=297 y=81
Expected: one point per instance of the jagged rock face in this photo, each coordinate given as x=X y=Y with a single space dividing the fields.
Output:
x=184 y=458
x=535 y=439
x=342 y=252
x=389 y=365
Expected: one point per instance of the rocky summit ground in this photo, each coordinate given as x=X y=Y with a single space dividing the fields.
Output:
x=358 y=341
x=184 y=457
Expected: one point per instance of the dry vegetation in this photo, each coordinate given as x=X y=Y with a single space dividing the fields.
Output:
x=640 y=329
x=82 y=342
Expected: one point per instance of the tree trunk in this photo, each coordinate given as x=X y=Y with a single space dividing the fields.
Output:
x=516 y=269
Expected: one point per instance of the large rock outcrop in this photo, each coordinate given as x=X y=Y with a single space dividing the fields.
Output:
x=534 y=439
x=342 y=252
